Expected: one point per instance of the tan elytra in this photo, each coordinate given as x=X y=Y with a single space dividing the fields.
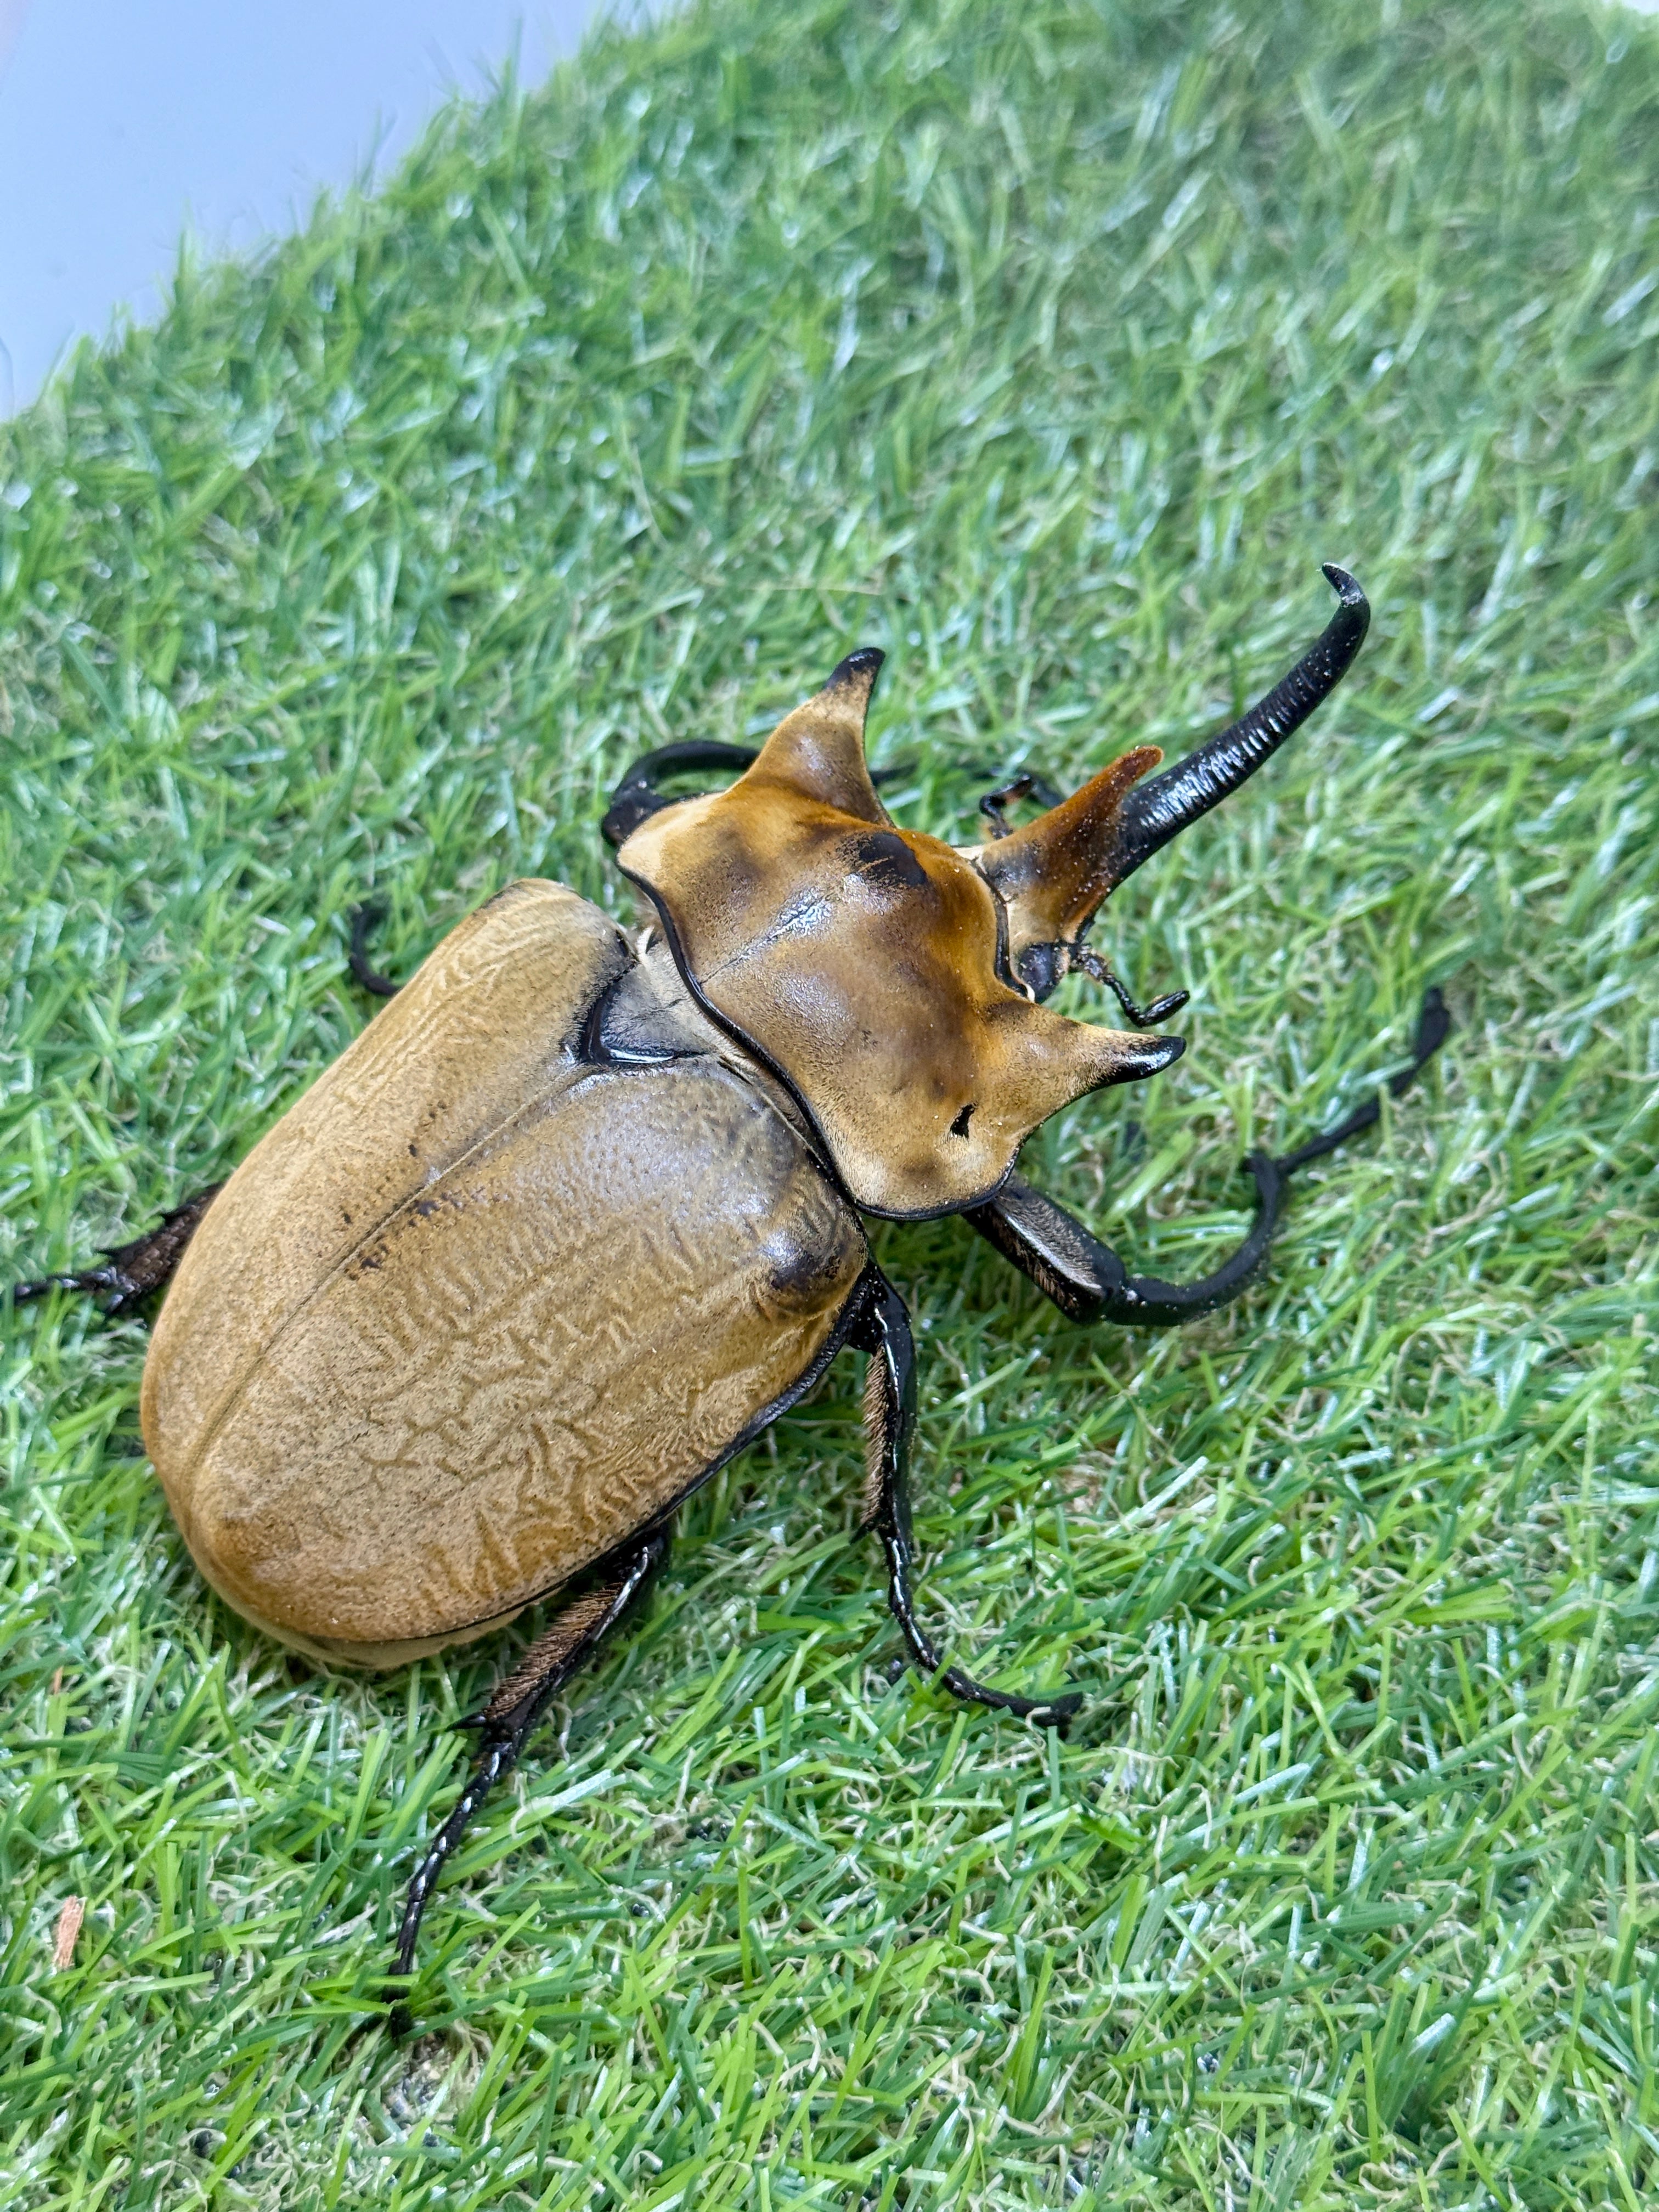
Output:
x=579 y=1212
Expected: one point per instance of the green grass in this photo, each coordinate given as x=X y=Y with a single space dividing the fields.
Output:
x=1049 y=346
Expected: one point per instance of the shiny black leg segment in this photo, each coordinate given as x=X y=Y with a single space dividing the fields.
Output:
x=517 y=1702
x=1025 y=785
x=363 y=918
x=889 y=1405
x=132 y=1271
x=1433 y=1028
x=636 y=798
x=1144 y=1017
x=1087 y=1280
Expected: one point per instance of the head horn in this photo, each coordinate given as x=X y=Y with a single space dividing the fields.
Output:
x=1161 y=808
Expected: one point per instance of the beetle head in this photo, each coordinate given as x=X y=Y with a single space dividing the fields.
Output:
x=864 y=962
x=895 y=983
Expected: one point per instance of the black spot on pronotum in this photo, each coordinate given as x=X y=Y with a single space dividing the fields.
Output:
x=959 y=1126
x=885 y=860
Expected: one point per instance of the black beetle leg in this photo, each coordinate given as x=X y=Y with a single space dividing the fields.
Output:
x=1144 y=1017
x=890 y=1399
x=1025 y=785
x=132 y=1271
x=991 y=806
x=636 y=798
x=363 y=918
x=515 y=1705
x=1087 y=1280
x=1433 y=1028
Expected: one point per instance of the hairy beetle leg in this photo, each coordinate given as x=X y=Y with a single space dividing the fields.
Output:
x=132 y=1271
x=889 y=1410
x=515 y=1705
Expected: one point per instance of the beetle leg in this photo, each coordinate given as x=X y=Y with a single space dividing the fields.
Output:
x=889 y=1403
x=132 y=1271
x=363 y=918
x=515 y=1705
x=1433 y=1028
x=636 y=798
x=1144 y=1017
x=1087 y=1280
x=1025 y=785
x=991 y=806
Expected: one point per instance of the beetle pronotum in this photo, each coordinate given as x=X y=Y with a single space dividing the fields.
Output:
x=578 y=1214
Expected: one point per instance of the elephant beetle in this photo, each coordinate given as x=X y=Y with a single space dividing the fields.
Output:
x=581 y=1211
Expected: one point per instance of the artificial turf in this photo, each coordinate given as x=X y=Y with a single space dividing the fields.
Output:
x=1049 y=346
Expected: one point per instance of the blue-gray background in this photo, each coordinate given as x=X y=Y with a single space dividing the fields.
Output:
x=125 y=123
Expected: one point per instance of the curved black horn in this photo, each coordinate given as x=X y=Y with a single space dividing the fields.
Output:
x=1158 y=809
x=637 y=796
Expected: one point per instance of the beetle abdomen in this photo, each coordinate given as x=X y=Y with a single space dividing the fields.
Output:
x=540 y=1346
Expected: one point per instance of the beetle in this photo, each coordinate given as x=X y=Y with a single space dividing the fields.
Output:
x=581 y=1211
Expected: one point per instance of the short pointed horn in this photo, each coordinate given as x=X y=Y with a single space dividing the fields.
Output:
x=1162 y=807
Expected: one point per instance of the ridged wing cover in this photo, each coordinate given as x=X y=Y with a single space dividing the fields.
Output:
x=480 y=1027
x=476 y=1309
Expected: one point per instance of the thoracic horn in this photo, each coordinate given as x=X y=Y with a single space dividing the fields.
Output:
x=1052 y=874
x=1161 y=808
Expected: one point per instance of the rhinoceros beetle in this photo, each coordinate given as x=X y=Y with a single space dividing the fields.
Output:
x=579 y=1212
